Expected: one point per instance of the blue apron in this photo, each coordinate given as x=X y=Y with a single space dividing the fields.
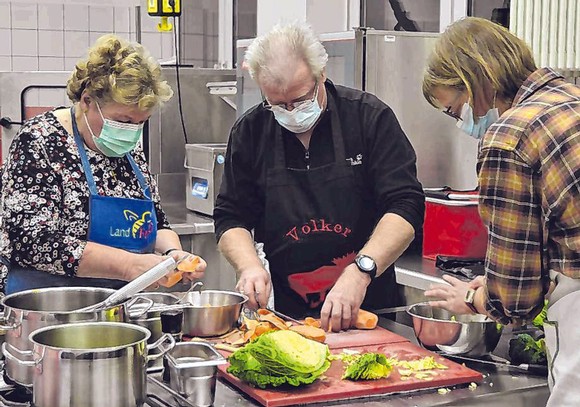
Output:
x=125 y=223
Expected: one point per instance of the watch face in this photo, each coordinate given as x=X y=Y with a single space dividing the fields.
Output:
x=366 y=263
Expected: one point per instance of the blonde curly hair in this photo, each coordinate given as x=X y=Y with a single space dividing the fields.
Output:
x=120 y=71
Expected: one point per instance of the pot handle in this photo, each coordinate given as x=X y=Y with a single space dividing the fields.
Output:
x=8 y=355
x=158 y=344
x=136 y=300
x=4 y=321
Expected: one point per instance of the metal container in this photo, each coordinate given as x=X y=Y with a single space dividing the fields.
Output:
x=205 y=165
x=26 y=311
x=193 y=370
x=92 y=364
x=140 y=315
x=439 y=329
x=212 y=313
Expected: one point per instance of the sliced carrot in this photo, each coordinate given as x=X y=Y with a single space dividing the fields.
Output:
x=366 y=320
x=312 y=322
x=310 y=332
x=274 y=320
x=190 y=264
x=172 y=279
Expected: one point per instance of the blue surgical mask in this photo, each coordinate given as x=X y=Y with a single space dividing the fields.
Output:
x=116 y=138
x=468 y=124
x=301 y=118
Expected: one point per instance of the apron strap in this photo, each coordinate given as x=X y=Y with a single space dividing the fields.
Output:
x=87 y=167
x=83 y=154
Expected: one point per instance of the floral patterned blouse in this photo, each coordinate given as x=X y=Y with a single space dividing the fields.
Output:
x=44 y=202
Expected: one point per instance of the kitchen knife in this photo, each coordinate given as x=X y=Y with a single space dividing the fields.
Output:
x=541 y=370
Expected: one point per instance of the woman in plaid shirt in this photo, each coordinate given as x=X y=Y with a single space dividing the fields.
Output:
x=527 y=121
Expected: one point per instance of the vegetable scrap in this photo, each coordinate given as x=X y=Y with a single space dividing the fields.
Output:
x=422 y=369
x=443 y=390
x=367 y=366
x=267 y=321
x=280 y=357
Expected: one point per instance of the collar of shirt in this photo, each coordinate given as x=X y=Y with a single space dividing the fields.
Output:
x=535 y=81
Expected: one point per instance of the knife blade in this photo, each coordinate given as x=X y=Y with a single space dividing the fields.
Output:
x=284 y=316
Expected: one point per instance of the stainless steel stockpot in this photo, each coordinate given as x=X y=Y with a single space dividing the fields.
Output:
x=92 y=364
x=26 y=311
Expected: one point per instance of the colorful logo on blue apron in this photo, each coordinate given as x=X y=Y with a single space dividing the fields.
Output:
x=142 y=226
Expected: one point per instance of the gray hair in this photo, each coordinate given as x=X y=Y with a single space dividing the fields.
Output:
x=268 y=57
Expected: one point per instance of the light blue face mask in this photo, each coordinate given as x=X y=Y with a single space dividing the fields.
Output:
x=116 y=138
x=468 y=124
x=302 y=118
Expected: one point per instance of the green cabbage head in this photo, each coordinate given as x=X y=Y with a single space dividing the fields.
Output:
x=280 y=357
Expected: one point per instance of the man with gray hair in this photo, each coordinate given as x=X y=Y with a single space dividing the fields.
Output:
x=325 y=178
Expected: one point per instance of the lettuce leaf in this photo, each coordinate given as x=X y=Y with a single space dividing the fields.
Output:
x=280 y=357
x=368 y=366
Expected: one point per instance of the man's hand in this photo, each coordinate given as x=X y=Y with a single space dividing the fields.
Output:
x=256 y=284
x=342 y=303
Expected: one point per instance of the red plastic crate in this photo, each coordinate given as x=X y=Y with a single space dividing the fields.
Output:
x=453 y=228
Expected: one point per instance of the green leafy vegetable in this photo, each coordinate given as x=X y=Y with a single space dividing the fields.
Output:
x=280 y=357
x=525 y=349
x=368 y=366
x=538 y=321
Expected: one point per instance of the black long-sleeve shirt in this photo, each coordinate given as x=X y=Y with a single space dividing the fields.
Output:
x=372 y=136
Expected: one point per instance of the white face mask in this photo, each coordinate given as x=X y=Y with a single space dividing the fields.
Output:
x=468 y=124
x=300 y=119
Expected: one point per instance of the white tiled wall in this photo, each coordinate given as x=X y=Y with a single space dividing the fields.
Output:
x=43 y=35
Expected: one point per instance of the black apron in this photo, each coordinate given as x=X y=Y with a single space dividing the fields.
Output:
x=315 y=222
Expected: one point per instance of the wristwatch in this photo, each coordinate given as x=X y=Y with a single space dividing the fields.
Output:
x=366 y=265
x=469 y=298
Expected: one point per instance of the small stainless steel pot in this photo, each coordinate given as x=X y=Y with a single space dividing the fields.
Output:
x=92 y=364
x=143 y=316
x=193 y=371
x=212 y=313
x=26 y=311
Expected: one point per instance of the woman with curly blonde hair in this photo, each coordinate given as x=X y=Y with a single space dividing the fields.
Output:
x=78 y=205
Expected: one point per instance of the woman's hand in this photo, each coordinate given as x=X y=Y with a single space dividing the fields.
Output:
x=189 y=275
x=452 y=296
x=139 y=264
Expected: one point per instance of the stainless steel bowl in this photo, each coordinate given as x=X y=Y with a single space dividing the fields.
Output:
x=213 y=312
x=439 y=329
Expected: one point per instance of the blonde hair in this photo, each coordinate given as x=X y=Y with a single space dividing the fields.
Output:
x=120 y=71
x=474 y=51
x=268 y=56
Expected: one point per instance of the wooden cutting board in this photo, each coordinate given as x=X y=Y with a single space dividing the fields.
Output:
x=332 y=388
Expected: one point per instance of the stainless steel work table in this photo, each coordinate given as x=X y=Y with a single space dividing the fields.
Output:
x=501 y=387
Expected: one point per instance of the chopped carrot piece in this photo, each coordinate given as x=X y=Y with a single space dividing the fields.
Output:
x=310 y=332
x=312 y=322
x=189 y=265
x=366 y=320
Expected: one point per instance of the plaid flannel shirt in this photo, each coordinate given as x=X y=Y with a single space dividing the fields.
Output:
x=529 y=180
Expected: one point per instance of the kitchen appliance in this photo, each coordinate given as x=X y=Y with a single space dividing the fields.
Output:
x=205 y=167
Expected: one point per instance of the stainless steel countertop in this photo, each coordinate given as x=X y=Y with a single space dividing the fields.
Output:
x=186 y=222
